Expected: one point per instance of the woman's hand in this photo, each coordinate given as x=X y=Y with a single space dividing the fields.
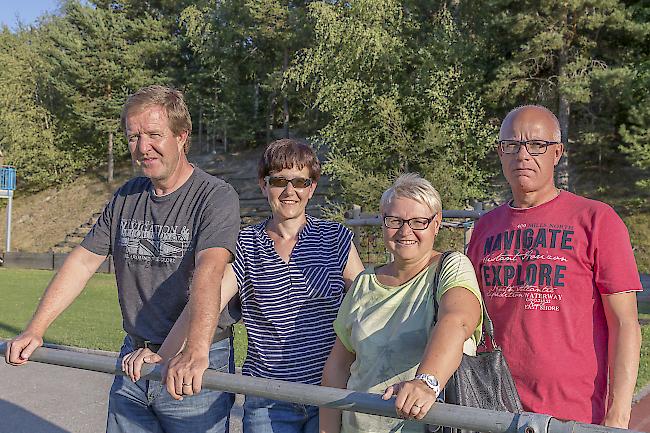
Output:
x=414 y=398
x=132 y=362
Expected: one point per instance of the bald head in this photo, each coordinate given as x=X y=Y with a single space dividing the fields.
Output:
x=534 y=121
x=528 y=165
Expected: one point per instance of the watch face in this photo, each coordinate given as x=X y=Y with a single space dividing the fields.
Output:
x=429 y=379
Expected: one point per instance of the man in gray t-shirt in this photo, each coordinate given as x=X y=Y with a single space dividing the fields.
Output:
x=171 y=234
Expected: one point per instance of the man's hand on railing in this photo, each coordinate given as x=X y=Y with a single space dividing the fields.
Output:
x=184 y=373
x=132 y=363
x=21 y=347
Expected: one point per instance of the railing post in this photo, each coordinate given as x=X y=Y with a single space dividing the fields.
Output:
x=7 y=187
x=8 y=239
x=468 y=227
x=356 y=213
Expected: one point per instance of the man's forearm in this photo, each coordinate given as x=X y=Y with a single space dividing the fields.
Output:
x=205 y=298
x=64 y=288
x=624 y=348
x=204 y=315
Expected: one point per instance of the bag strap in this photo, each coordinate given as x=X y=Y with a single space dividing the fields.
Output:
x=488 y=326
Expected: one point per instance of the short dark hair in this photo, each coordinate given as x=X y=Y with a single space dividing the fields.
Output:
x=289 y=153
x=171 y=100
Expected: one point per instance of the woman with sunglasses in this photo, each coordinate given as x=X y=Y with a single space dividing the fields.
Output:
x=291 y=272
x=387 y=341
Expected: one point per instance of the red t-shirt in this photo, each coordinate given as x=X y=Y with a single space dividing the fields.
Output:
x=542 y=272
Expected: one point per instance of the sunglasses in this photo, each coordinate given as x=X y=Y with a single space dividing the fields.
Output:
x=281 y=182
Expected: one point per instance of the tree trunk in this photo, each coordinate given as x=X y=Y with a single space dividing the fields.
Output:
x=225 y=136
x=215 y=135
x=215 y=126
x=256 y=101
x=110 y=157
x=564 y=110
x=201 y=128
x=285 y=101
x=269 y=125
x=109 y=178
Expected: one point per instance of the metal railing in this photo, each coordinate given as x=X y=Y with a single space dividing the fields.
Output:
x=7 y=178
x=440 y=414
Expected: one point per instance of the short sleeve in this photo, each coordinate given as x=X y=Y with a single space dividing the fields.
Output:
x=341 y=323
x=98 y=240
x=615 y=269
x=219 y=224
x=238 y=265
x=457 y=271
x=345 y=240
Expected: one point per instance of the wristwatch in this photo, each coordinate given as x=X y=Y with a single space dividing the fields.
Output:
x=430 y=381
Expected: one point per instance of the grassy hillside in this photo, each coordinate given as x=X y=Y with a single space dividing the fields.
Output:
x=43 y=219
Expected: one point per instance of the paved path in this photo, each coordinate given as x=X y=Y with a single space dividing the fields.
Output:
x=42 y=398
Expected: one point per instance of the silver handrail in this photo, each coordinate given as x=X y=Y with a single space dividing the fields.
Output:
x=440 y=414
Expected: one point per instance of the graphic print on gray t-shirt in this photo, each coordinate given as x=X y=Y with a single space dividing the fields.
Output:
x=154 y=241
x=146 y=241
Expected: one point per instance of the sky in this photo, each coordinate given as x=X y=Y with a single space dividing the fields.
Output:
x=25 y=10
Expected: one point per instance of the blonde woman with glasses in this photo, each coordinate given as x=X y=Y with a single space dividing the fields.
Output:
x=387 y=341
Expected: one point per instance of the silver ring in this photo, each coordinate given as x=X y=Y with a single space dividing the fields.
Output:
x=187 y=384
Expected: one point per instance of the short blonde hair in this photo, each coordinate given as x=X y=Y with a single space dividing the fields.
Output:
x=171 y=100
x=414 y=187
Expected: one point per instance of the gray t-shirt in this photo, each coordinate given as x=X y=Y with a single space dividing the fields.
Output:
x=154 y=241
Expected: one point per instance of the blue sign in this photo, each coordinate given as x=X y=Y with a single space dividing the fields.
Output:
x=7 y=178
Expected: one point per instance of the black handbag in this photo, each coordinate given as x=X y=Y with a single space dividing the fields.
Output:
x=482 y=381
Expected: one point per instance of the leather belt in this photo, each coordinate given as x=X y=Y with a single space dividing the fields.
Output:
x=140 y=343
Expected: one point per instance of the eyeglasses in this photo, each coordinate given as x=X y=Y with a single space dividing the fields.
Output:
x=393 y=222
x=281 y=182
x=534 y=147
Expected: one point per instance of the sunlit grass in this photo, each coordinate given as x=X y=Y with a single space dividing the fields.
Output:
x=92 y=321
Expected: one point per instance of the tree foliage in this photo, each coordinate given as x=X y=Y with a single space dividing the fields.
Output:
x=28 y=131
x=572 y=56
x=383 y=86
x=394 y=102
x=98 y=57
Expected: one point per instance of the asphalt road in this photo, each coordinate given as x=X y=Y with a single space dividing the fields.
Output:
x=42 y=398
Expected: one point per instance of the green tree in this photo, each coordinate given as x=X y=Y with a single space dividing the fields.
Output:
x=222 y=60
x=27 y=128
x=391 y=81
x=99 y=56
x=242 y=50
x=558 y=53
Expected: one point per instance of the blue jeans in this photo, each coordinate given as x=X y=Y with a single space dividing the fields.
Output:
x=146 y=407
x=263 y=415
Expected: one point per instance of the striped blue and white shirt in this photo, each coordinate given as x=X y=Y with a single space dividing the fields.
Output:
x=288 y=308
